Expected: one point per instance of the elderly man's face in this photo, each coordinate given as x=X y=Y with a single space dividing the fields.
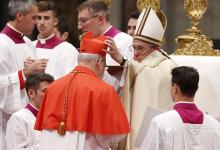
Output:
x=142 y=50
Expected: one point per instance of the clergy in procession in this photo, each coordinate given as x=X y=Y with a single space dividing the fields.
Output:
x=62 y=55
x=20 y=133
x=15 y=48
x=147 y=75
x=85 y=113
x=185 y=127
x=93 y=16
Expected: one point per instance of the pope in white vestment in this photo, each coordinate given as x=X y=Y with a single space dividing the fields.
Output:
x=147 y=75
x=14 y=49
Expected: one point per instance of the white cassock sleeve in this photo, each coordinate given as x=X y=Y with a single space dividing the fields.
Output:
x=17 y=136
x=10 y=92
x=152 y=140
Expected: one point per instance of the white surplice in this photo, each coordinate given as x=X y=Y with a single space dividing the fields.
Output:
x=20 y=133
x=77 y=141
x=168 y=132
x=12 y=98
x=62 y=58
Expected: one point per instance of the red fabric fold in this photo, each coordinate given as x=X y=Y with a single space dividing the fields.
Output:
x=21 y=79
x=93 y=106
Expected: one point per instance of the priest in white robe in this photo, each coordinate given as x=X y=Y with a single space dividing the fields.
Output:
x=20 y=133
x=93 y=16
x=15 y=48
x=186 y=127
x=62 y=55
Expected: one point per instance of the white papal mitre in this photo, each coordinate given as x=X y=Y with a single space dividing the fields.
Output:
x=151 y=26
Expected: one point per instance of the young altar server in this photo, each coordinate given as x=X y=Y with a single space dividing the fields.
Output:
x=20 y=133
x=185 y=127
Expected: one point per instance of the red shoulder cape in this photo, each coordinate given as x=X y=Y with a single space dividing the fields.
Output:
x=93 y=106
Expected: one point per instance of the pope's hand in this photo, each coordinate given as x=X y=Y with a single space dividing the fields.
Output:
x=113 y=50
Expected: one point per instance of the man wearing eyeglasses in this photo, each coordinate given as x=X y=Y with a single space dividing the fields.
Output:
x=93 y=16
x=148 y=73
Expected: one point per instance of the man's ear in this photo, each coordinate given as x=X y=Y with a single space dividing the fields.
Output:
x=99 y=62
x=64 y=36
x=101 y=19
x=175 y=88
x=56 y=20
x=30 y=93
x=19 y=16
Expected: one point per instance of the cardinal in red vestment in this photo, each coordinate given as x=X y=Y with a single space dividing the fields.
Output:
x=79 y=111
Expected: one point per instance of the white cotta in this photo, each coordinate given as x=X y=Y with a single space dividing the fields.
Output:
x=168 y=132
x=12 y=57
x=20 y=133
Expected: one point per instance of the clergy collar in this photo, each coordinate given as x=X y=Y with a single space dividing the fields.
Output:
x=184 y=102
x=84 y=69
x=44 y=40
x=13 y=33
x=107 y=29
x=49 y=42
x=33 y=109
x=111 y=32
x=189 y=112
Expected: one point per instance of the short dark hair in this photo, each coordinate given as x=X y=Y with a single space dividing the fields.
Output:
x=47 y=5
x=62 y=25
x=95 y=6
x=34 y=80
x=134 y=14
x=187 y=78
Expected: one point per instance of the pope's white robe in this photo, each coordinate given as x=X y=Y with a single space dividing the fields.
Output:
x=12 y=57
x=168 y=132
x=62 y=55
x=20 y=133
x=147 y=84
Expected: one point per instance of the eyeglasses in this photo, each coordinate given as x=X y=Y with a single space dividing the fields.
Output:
x=84 y=20
x=139 y=49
